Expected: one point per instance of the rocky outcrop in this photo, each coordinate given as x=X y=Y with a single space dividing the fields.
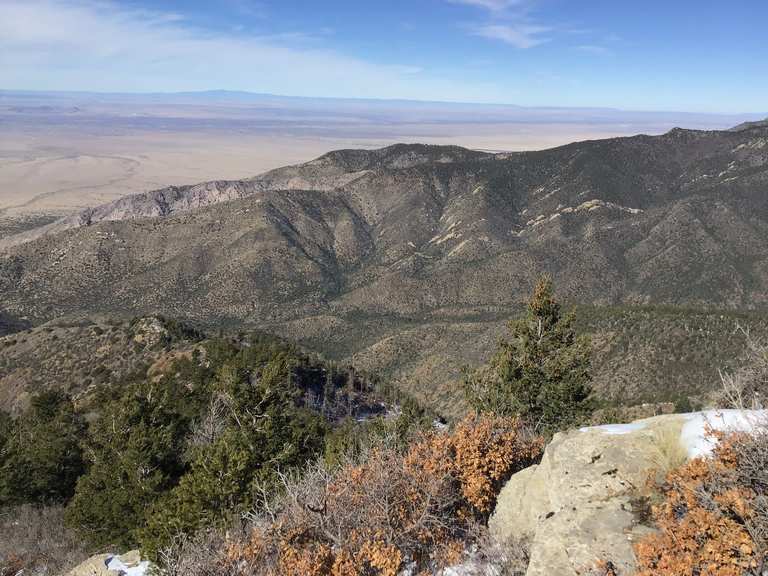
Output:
x=153 y=204
x=94 y=566
x=585 y=501
x=128 y=564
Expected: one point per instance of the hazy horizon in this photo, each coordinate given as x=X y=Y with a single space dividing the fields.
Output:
x=65 y=151
x=239 y=94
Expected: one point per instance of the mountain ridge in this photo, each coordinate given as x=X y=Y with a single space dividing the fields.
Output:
x=165 y=201
x=359 y=247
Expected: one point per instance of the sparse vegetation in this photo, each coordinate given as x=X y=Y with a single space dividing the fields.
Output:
x=713 y=517
x=747 y=387
x=34 y=540
x=78 y=357
x=380 y=511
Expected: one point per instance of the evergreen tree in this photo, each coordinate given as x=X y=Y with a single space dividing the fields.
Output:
x=135 y=453
x=42 y=457
x=541 y=372
x=265 y=431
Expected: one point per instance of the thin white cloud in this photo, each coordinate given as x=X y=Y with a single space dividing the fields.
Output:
x=509 y=21
x=517 y=35
x=99 y=45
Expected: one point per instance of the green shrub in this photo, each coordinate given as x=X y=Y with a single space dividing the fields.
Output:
x=261 y=430
x=135 y=453
x=42 y=459
x=186 y=444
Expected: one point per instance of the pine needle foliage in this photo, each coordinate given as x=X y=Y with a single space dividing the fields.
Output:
x=541 y=372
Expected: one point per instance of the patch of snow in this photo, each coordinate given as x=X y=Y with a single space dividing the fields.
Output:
x=694 y=434
x=617 y=429
x=116 y=564
x=471 y=567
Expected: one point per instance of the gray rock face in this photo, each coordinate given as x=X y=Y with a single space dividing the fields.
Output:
x=155 y=204
x=94 y=566
x=128 y=564
x=580 y=505
x=576 y=506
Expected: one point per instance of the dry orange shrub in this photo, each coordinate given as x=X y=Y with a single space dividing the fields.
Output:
x=312 y=559
x=372 y=518
x=480 y=455
x=486 y=452
x=12 y=566
x=702 y=520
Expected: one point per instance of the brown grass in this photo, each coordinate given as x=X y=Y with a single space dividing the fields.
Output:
x=35 y=541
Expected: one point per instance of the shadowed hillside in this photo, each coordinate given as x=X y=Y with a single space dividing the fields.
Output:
x=387 y=256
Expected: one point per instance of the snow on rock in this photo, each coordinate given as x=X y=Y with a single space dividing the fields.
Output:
x=694 y=427
x=128 y=565
x=578 y=504
x=472 y=567
x=694 y=435
x=618 y=429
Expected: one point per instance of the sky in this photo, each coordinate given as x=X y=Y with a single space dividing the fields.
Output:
x=683 y=55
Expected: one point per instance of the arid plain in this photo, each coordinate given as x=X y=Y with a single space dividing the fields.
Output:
x=61 y=152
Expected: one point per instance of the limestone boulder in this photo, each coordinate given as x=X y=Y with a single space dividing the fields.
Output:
x=128 y=564
x=584 y=501
x=94 y=566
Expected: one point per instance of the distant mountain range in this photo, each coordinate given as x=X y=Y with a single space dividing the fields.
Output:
x=354 y=251
x=225 y=103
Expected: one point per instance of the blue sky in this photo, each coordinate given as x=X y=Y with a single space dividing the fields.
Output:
x=692 y=55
